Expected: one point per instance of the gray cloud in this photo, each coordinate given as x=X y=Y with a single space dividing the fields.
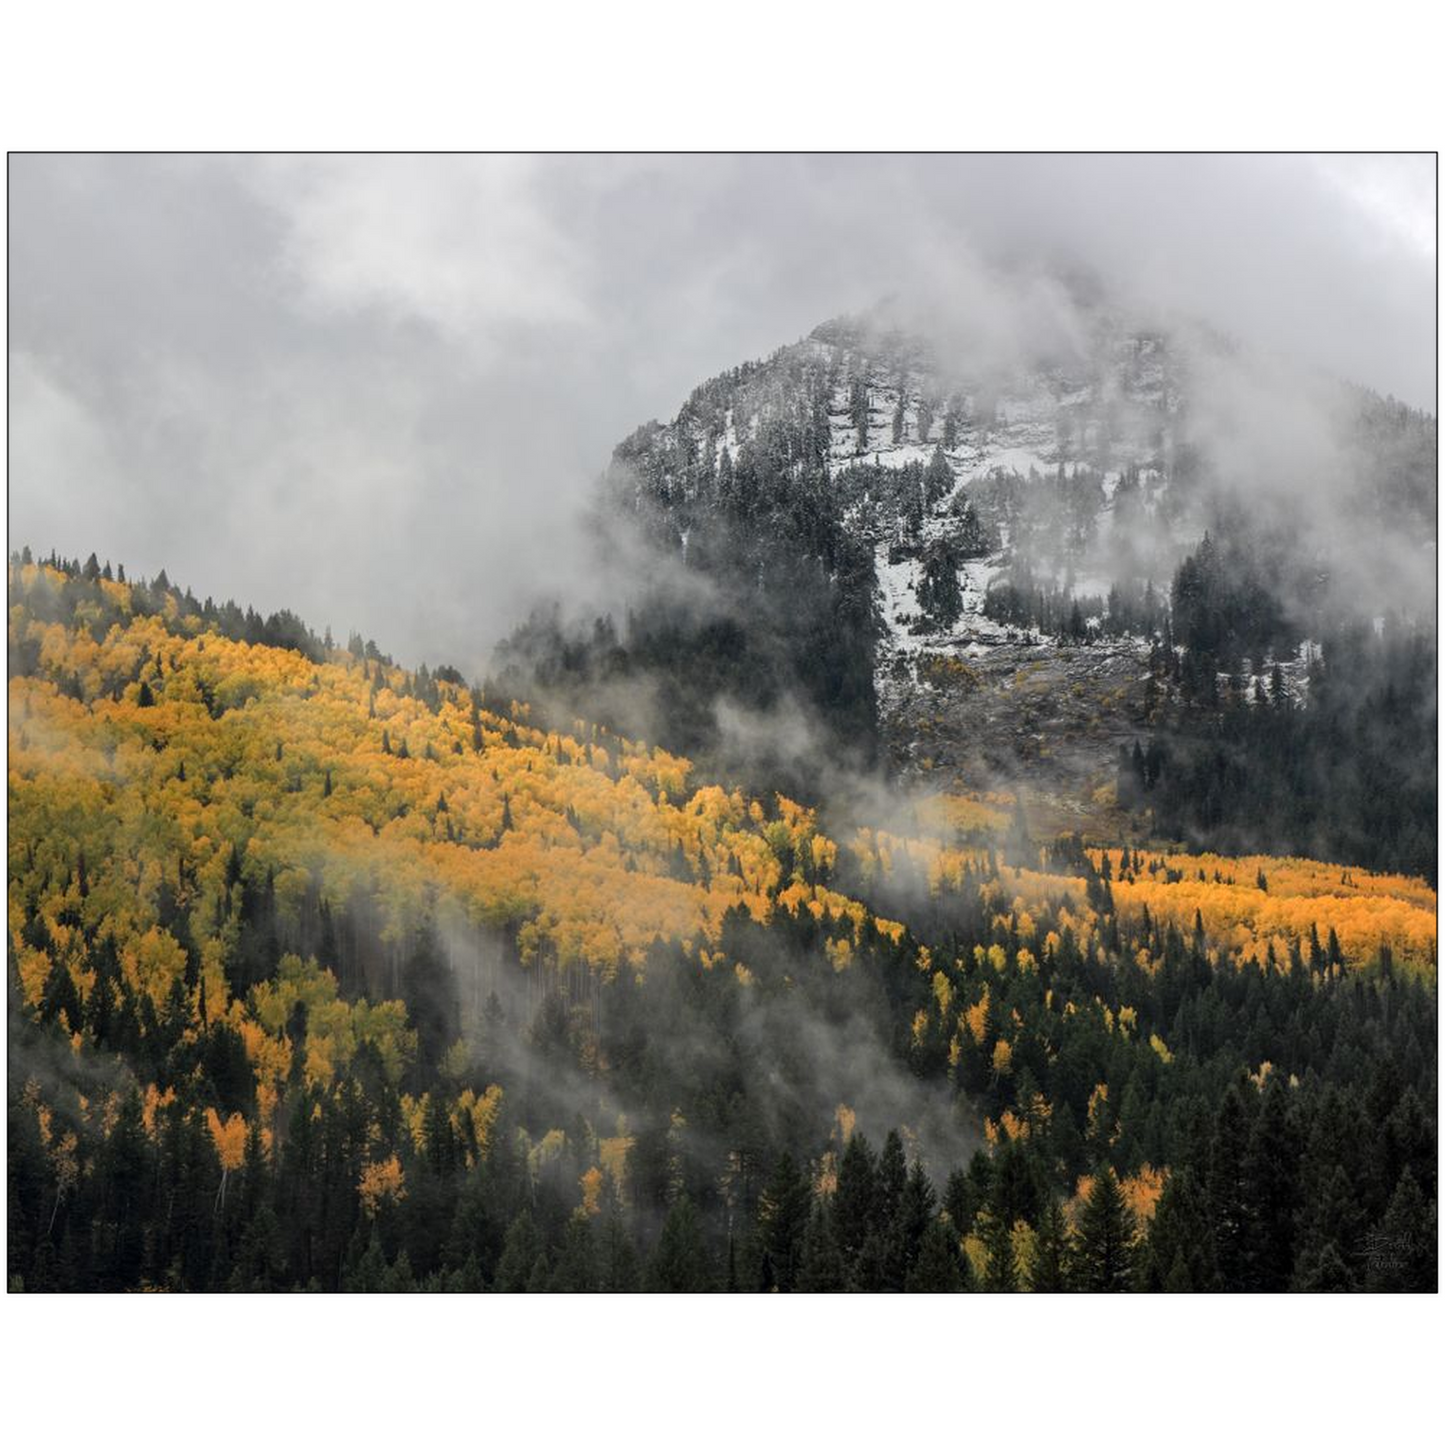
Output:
x=377 y=390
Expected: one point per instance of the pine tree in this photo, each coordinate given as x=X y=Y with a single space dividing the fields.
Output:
x=679 y=1263
x=821 y=1269
x=521 y=1253
x=1001 y=1274
x=917 y=1210
x=1050 y=1270
x=960 y=1200
x=1106 y=1238
x=889 y=1184
x=1232 y=1225
x=853 y=1201
x=1179 y=1249
x=783 y=1212
x=369 y=1274
x=1325 y=1272
x=1402 y=1253
x=939 y=594
x=936 y=1270
x=1331 y=1236
x=937 y=478
x=618 y=1269
x=1272 y=1188
x=576 y=1270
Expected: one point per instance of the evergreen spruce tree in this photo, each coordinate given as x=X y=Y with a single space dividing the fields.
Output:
x=369 y=1274
x=1106 y=1238
x=576 y=1271
x=939 y=594
x=679 y=1262
x=960 y=1201
x=1401 y=1254
x=917 y=1210
x=1178 y=1253
x=619 y=1271
x=821 y=1270
x=783 y=1212
x=521 y=1253
x=936 y=1270
x=853 y=1201
x=1050 y=1270
x=1271 y=1185
x=1324 y=1271
x=1230 y=1212
x=1001 y=1274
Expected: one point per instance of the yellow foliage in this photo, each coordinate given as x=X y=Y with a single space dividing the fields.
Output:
x=1025 y=1246
x=612 y=1153
x=977 y=1252
x=413 y=1113
x=975 y=1017
x=229 y=1137
x=153 y=1101
x=479 y=1114
x=952 y=813
x=34 y=966
x=585 y=871
x=1365 y=909
x=380 y=1182
x=591 y=1182
x=1141 y=1191
x=942 y=993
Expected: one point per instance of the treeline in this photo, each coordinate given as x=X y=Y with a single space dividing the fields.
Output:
x=1026 y=601
x=159 y=597
x=1349 y=773
x=1337 y=760
x=1225 y=608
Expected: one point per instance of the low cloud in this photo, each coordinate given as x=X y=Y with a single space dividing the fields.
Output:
x=378 y=390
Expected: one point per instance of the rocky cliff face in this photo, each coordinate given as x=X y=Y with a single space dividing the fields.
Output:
x=1019 y=521
x=1064 y=474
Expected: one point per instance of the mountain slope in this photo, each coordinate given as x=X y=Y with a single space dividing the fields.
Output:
x=999 y=539
x=326 y=973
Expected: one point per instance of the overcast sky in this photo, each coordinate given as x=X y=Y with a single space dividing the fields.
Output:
x=376 y=390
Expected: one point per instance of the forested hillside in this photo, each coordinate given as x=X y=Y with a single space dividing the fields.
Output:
x=996 y=571
x=328 y=974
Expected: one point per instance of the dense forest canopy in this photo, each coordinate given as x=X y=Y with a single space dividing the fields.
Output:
x=325 y=973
